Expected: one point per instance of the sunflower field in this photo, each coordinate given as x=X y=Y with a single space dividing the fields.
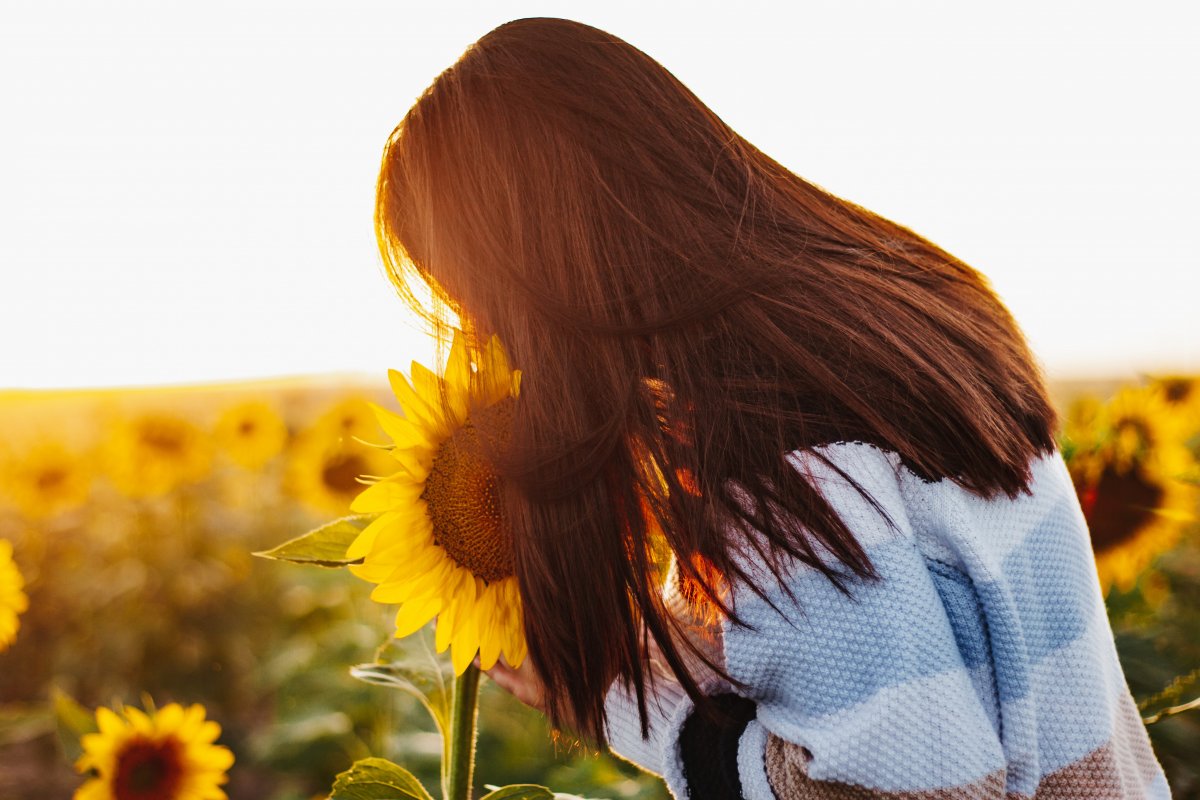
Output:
x=146 y=652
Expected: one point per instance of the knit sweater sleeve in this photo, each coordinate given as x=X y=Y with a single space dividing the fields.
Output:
x=978 y=665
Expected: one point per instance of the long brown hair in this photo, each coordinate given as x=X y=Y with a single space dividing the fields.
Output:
x=686 y=312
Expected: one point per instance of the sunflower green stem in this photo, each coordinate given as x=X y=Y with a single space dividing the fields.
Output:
x=460 y=762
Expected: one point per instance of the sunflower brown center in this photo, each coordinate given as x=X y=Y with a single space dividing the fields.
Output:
x=1119 y=505
x=1178 y=390
x=340 y=472
x=1136 y=433
x=464 y=499
x=163 y=437
x=50 y=479
x=148 y=770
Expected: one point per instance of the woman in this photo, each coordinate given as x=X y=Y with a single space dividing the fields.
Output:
x=879 y=577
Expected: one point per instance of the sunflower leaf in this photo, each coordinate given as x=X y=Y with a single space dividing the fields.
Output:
x=417 y=671
x=21 y=723
x=324 y=546
x=377 y=779
x=73 y=721
x=520 y=791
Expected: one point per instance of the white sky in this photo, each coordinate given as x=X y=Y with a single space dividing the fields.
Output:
x=186 y=188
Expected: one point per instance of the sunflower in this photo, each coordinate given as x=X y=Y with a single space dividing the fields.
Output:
x=1126 y=470
x=351 y=417
x=13 y=601
x=1137 y=421
x=162 y=755
x=328 y=457
x=251 y=433
x=152 y=454
x=440 y=546
x=1180 y=394
x=47 y=480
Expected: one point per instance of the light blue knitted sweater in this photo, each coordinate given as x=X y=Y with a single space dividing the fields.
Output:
x=982 y=664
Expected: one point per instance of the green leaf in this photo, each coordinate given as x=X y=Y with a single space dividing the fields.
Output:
x=520 y=791
x=417 y=671
x=377 y=779
x=73 y=723
x=21 y=723
x=324 y=546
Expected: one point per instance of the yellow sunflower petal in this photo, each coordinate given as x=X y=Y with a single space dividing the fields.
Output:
x=424 y=583
x=139 y=721
x=392 y=529
x=445 y=624
x=98 y=749
x=420 y=410
x=108 y=722
x=458 y=381
x=404 y=432
x=514 y=648
x=413 y=615
x=372 y=573
x=416 y=462
x=385 y=495
x=443 y=634
x=208 y=731
x=494 y=373
x=169 y=718
x=193 y=724
x=407 y=557
x=466 y=639
x=463 y=594
x=495 y=357
x=518 y=653
x=428 y=386
x=365 y=540
x=94 y=789
x=420 y=558
x=458 y=366
x=490 y=630
x=435 y=580
x=508 y=629
x=218 y=759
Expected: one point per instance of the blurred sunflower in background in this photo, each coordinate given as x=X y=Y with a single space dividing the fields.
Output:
x=153 y=453
x=350 y=417
x=1137 y=424
x=1181 y=394
x=251 y=433
x=47 y=480
x=13 y=601
x=440 y=546
x=329 y=456
x=166 y=754
x=1127 y=460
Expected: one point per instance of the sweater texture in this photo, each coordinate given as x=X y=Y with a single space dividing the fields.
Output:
x=980 y=665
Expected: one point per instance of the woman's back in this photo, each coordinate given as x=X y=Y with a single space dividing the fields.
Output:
x=981 y=663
